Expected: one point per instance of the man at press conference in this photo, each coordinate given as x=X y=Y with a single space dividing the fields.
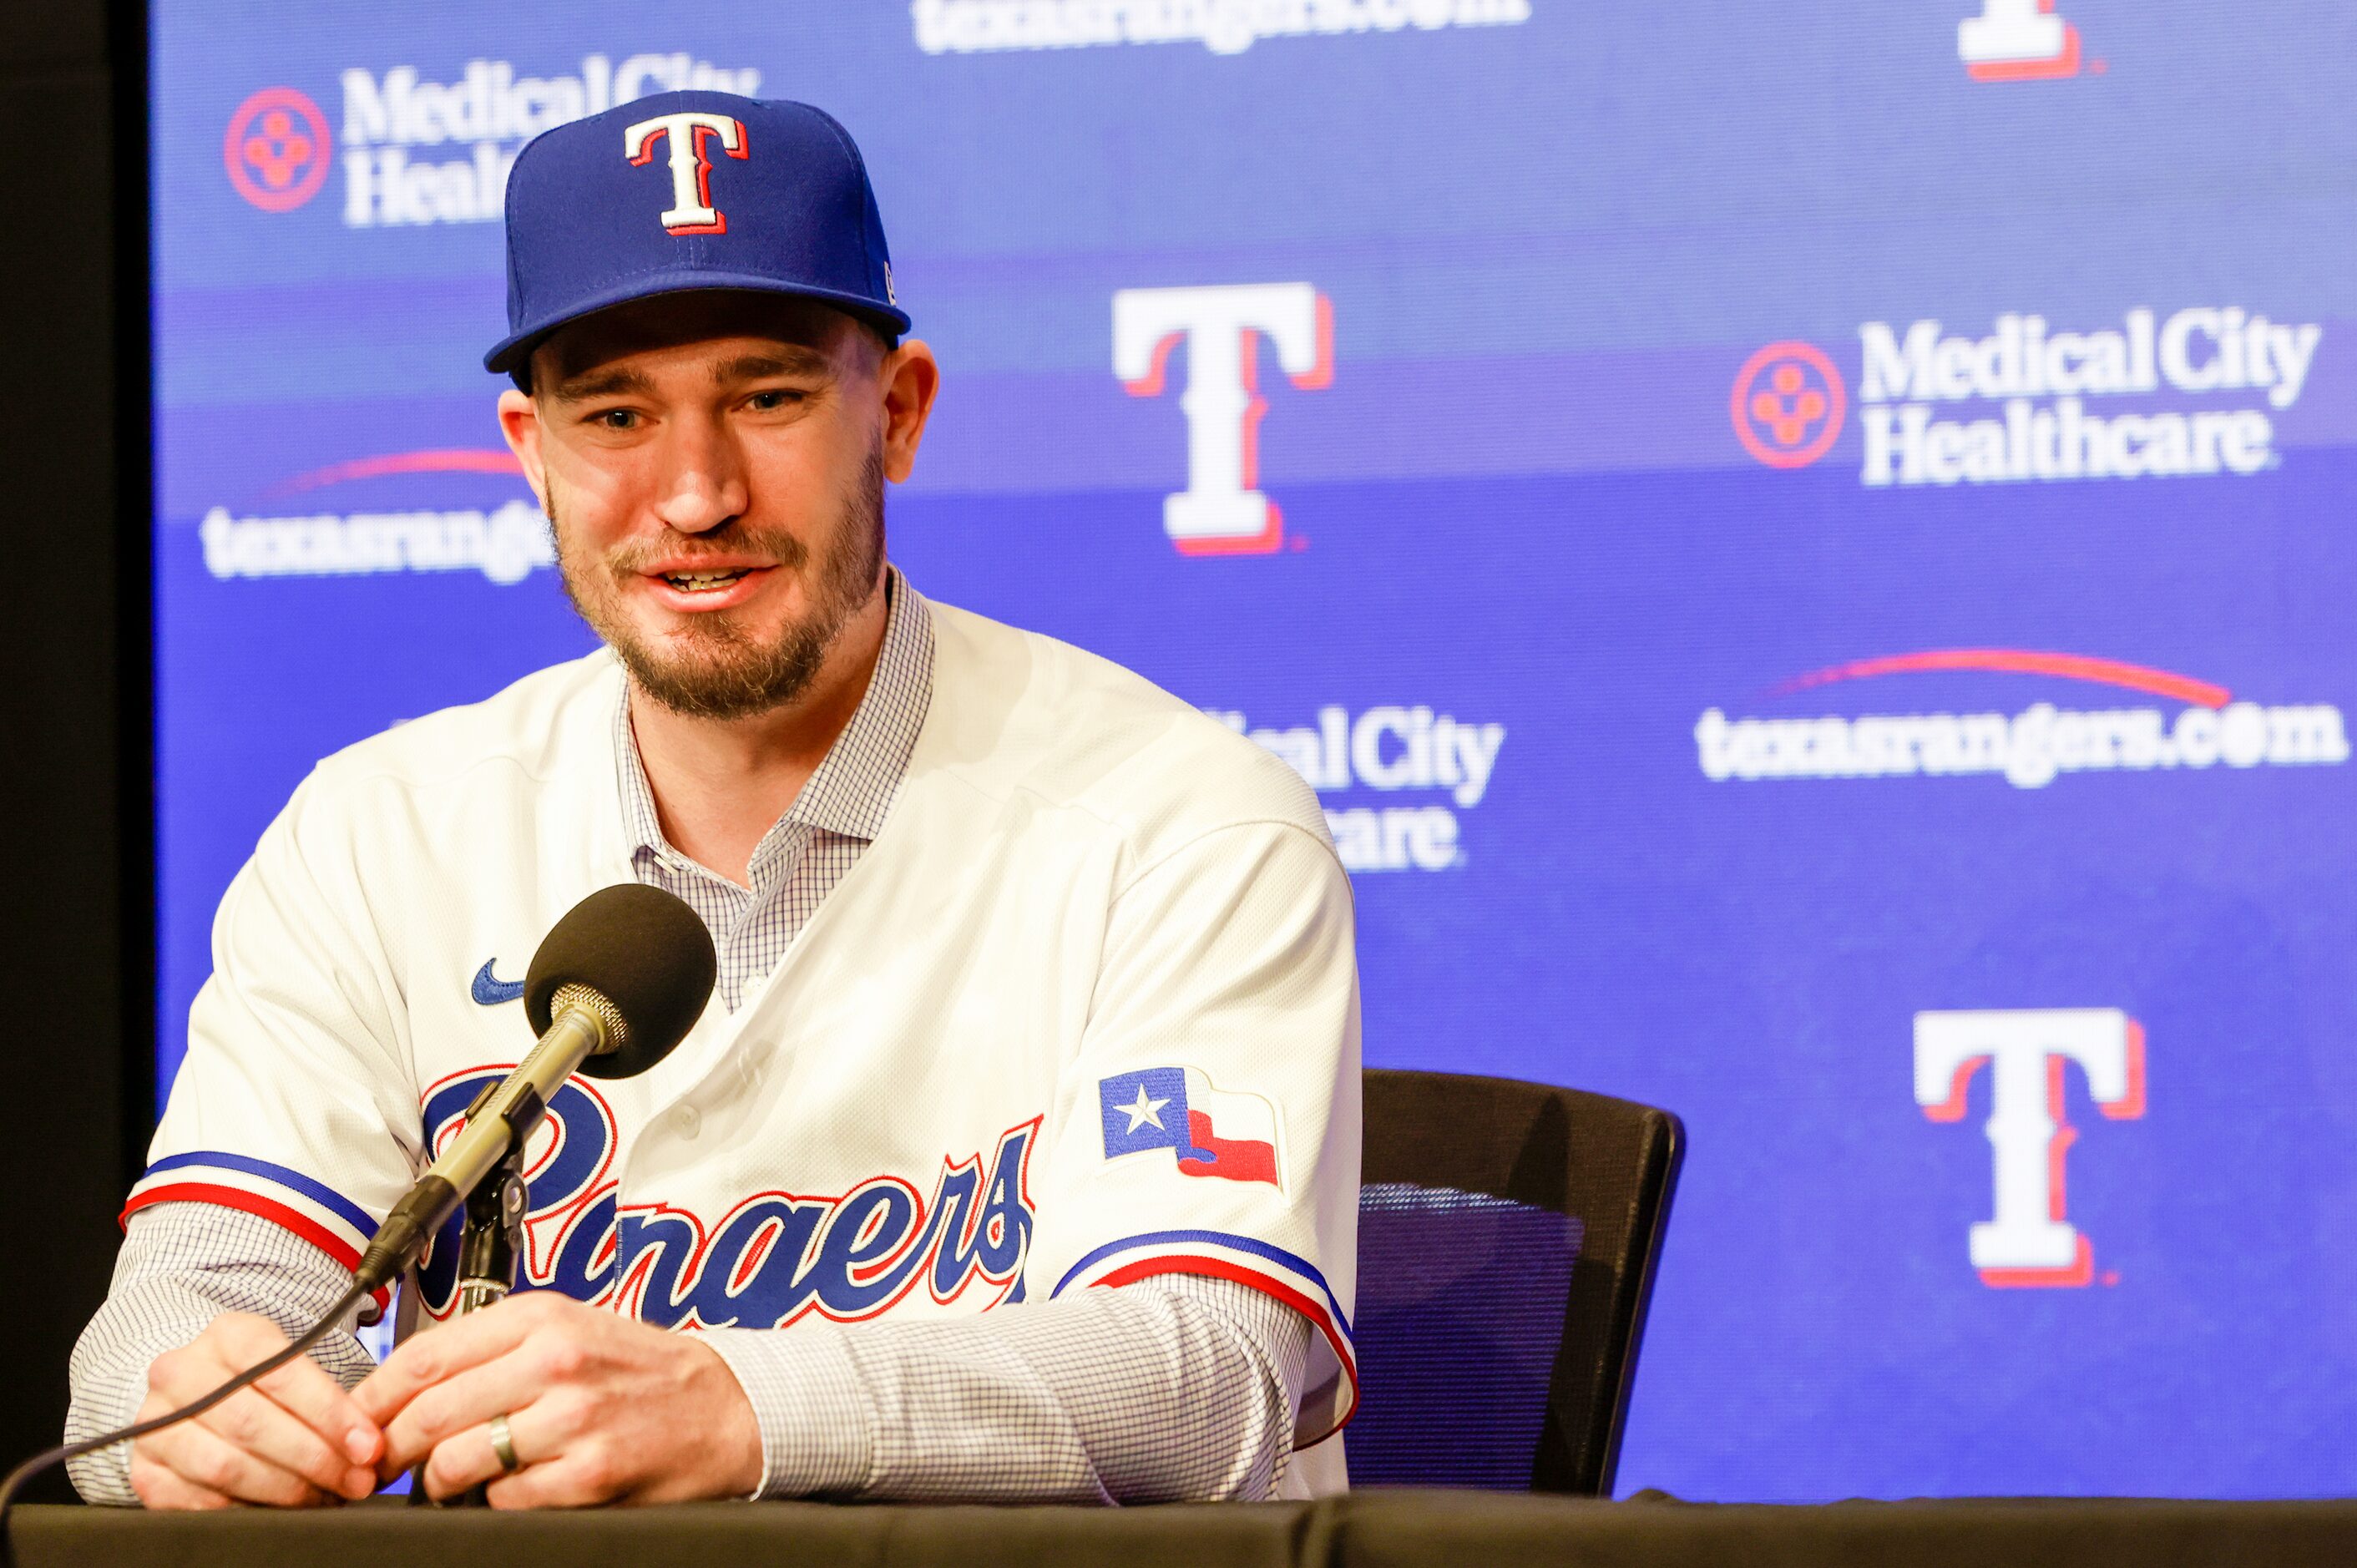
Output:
x=1015 y=1156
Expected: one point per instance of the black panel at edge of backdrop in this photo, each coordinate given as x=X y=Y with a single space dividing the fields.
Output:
x=135 y=511
x=135 y=578
x=76 y=858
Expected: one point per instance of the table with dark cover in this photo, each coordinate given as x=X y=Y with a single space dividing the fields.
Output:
x=1366 y=1530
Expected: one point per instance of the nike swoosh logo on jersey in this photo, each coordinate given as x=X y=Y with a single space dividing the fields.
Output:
x=490 y=991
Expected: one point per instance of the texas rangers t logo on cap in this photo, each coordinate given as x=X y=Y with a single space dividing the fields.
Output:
x=691 y=210
x=1174 y=1108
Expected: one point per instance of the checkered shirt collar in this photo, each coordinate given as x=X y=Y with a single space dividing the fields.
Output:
x=852 y=790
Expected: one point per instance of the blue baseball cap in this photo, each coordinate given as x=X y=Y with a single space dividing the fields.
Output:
x=690 y=191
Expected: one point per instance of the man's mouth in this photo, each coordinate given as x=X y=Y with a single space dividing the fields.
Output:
x=704 y=582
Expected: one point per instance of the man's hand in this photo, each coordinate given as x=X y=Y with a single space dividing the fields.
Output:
x=295 y=1439
x=600 y=1409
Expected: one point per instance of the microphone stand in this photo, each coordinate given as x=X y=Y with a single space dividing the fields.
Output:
x=489 y=1246
x=488 y=1250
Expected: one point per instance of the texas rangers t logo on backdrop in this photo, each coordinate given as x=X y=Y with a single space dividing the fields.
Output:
x=2028 y=1241
x=1221 y=512
x=1232 y=1136
x=2017 y=40
x=691 y=210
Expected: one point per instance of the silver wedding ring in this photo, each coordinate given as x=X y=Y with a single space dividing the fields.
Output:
x=503 y=1445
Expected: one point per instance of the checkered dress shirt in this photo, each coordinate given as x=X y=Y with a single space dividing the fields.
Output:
x=1174 y=1388
x=810 y=849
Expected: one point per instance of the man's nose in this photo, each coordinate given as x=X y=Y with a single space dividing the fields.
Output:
x=702 y=485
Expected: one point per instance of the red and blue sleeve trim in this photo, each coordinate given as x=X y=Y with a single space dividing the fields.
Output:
x=1218 y=1254
x=318 y=1192
x=296 y=1203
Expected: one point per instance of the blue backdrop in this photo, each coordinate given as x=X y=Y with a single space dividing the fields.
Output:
x=1805 y=549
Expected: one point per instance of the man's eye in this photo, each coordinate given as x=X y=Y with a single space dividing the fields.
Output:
x=775 y=398
x=616 y=419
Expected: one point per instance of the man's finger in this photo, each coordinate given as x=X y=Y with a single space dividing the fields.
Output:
x=430 y=1358
x=307 y=1390
x=157 y=1486
x=460 y=1462
x=469 y=1459
x=197 y=1454
x=252 y=1420
x=574 y=1480
x=469 y=1398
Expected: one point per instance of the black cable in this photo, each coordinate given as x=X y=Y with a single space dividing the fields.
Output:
x=59 y=1455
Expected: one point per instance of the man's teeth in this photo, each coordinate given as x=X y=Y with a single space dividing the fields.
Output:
x=703 y=582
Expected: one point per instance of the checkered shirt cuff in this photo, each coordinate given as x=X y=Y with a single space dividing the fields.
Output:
x=816 y=1429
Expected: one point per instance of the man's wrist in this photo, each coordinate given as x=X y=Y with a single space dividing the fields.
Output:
x=735 y=1439
x=816 y=1425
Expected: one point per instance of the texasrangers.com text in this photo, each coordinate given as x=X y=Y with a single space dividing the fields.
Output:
x=2028 y=749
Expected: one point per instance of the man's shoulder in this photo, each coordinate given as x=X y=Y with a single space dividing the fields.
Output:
x=523 y=733
x=1018 y=712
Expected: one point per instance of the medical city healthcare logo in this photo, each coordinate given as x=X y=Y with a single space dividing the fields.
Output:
x=401 y=129
x=276 y=149
x=2030 y=1240
x=2194 y=394
x=2029 y=748
x=1390 y=749
x=1788 y=404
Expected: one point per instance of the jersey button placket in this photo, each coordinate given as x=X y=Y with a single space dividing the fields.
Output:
x=687 y=1122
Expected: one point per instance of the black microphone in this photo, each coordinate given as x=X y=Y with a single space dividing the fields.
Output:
x=617 y=983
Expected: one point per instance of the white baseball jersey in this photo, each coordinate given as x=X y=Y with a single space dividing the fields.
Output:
x=1084 y=1013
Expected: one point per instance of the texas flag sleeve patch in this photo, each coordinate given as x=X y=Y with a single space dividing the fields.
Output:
x=1231 y=1136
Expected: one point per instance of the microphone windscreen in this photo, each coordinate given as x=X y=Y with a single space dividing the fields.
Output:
x=643 y=949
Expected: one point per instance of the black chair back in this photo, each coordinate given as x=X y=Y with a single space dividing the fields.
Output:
x=1507 y=1238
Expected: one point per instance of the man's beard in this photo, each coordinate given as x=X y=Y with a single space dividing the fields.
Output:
x=711 y=667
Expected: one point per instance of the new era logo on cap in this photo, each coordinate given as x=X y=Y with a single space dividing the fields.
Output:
x=690 y=191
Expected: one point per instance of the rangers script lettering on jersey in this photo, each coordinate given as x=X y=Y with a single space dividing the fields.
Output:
x=1084 y=1013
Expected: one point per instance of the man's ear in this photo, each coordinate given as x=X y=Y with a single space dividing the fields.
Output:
x=520 y=423
x=911 y=376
